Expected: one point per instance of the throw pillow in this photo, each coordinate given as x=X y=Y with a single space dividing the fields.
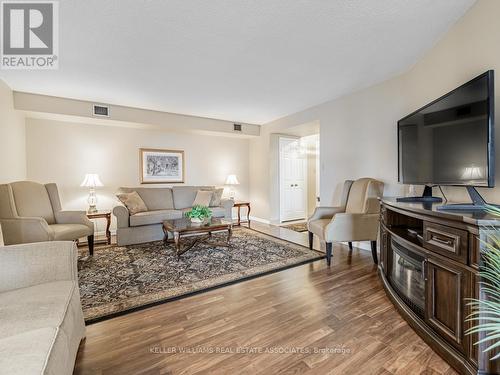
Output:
x=203 y=198
x=216 y=197
x=133 y=202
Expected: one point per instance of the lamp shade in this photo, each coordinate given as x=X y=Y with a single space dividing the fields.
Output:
x=232 y=180
x=91 y=180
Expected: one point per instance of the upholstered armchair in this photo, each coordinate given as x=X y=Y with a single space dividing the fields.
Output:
x=356 y=219
x=31 y=212
x=41 y=314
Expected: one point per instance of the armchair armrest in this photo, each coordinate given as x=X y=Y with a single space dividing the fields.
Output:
x=74 y=217
x=25 y=230
x=353 y=227
x=325 y=212
x=122 y=216
x=228 y=206
x=31 y=264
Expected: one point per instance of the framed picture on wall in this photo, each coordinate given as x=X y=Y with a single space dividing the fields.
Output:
x=161 y=166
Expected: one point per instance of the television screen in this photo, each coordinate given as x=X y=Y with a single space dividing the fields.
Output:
x=450 y=141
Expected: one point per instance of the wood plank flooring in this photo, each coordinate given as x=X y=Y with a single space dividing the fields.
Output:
x=306 y=320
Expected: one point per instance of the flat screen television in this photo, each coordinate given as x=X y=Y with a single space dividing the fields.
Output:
x=451 y=140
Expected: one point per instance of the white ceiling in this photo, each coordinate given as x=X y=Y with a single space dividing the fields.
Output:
x=240 y=60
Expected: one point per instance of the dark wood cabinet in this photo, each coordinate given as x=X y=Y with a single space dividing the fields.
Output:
x=383 y=247
x=429 y=267
x=446 y=287
x=472 y=350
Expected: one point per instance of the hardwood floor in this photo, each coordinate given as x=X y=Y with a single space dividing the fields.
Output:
x=306 y=320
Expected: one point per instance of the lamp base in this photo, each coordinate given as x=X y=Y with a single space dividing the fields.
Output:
x=232 y=193
x=92 y=210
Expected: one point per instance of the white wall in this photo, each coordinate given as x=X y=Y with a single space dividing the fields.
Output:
x=358 y=132
x=12 y=139
x=63 y=152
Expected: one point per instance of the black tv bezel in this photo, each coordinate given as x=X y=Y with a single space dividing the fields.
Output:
x=491 y=133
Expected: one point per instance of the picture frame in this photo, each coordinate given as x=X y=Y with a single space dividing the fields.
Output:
x=158 y=166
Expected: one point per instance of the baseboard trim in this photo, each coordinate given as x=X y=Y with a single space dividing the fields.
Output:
x=259 y=220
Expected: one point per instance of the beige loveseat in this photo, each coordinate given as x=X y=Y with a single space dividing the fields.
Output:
x=163 y=204
x=41 y=319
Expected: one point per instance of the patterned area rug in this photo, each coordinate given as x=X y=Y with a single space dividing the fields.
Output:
x=119 y=279
x=297 y=227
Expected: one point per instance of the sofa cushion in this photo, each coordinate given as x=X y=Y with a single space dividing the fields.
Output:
x=70 y=232
x=28 y=352
x=154 y=217
x=34 y=307
x=32 y=200
x=184 y=195
x=41 y=328
x=133 y=201
x=154 y=198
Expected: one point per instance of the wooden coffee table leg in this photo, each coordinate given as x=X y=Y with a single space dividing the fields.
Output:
x=177 y=238
x=165 y=236
x=229 y=235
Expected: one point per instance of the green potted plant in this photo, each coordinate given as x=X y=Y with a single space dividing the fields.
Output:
x=486 y=313
x=199 y=213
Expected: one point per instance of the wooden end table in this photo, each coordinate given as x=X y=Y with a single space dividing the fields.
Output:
x=238 y=205
x=184 y=226
x=102 y=215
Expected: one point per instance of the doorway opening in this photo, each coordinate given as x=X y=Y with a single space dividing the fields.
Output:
x=298 y=177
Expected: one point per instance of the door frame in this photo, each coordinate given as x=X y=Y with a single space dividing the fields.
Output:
x=280 y=178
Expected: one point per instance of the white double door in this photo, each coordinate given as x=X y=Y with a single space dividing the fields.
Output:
x=293 y=179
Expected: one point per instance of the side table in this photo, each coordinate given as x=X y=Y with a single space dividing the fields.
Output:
x=102 y=215
x=240 y=204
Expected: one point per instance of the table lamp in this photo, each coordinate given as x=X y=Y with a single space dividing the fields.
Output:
x=92 y=181
x=232 y=180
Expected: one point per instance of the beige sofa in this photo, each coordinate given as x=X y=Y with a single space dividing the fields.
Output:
x=163 y=204
x=41 y=319
x=31 y=212
x=356 y=219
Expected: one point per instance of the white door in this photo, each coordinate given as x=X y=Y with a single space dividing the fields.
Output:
x=293 y=180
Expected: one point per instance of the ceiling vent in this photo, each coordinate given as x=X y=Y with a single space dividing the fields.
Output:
x=101 y=110
x=237 y=127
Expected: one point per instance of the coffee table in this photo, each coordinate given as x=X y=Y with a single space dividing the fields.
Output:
x=202 y=231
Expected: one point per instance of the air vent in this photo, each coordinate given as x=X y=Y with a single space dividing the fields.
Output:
x=237 y=127
x=101 y=110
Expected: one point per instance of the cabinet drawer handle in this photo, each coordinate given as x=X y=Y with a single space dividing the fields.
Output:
x=440 y=240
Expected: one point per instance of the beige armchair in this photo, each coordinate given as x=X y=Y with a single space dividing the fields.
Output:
x=31 y=212
x=356 y=219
